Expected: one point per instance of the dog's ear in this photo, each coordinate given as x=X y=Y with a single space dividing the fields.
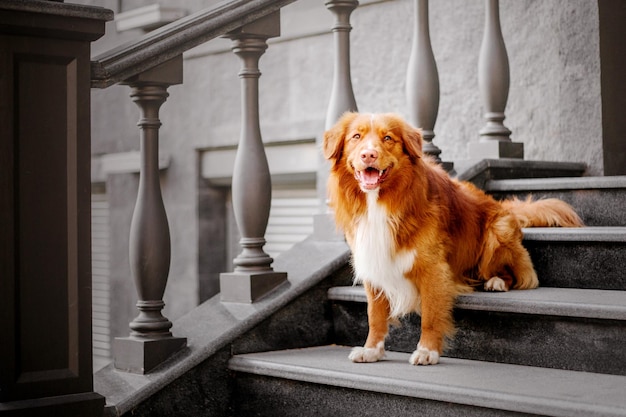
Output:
x=335 y=136
x=412 y=141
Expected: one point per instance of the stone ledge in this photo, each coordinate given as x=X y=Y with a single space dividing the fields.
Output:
x=576 y=234
x=563 y=302
x=58 y=9
x=544 y=184
x=516 y=388
x=479 y=172
x=596 y=199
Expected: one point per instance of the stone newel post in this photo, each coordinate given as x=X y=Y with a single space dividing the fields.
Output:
x=46 y=366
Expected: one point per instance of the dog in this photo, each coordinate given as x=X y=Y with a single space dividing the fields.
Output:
x=418 y=237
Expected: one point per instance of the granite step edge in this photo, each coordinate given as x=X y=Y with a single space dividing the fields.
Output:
x=516 y=388
x=562 y=302
x=553 y=184
x=576 y=234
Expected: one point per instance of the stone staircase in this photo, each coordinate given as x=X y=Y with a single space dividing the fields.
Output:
x=559 y=350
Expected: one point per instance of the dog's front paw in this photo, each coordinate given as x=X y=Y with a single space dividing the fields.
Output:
x=496 y=284
x=424 y=356
x=364 y=354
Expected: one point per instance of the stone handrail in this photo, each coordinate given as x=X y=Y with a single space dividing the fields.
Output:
x=169 y=41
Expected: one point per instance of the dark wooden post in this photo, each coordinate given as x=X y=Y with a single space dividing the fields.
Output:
x=612 y=15
x=253 y=276
x=45 y=216
x=493 y=82
x=150 y=341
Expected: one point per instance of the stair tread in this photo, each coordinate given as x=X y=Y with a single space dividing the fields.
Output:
x=561 y=183
x=568 y=302
x=576 y=234
x=484 y=384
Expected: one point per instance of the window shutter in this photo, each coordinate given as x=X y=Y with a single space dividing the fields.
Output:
x=101 y=332
x=291 y=218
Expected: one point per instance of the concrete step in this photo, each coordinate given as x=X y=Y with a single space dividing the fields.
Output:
x=571 y=329
x=322 y=381
x=565 y=302
x=588 y=257
x=479 y=171
x=600 y=201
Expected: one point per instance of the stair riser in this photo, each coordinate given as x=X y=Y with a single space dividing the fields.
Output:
x=584 y=265
x=595 y=207
x=545 y=341
x=275 y=397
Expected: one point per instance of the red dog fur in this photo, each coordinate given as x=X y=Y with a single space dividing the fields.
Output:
x=418 y=237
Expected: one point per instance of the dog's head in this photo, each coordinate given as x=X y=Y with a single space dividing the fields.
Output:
x=373 y=147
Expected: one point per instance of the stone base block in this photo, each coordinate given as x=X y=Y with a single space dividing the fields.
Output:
x=247 y=287
x=140 y=356
x=494 y=149
x=86 y=404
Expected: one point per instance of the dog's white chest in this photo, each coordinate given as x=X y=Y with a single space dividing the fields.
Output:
x=377 y=262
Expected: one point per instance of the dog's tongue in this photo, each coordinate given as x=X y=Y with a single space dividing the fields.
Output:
x=370 y=176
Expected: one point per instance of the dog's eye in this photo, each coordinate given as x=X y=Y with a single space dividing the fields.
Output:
x=387 y=138
x=356 y=136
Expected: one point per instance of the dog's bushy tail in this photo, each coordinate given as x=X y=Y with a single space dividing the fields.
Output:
x=549 y=212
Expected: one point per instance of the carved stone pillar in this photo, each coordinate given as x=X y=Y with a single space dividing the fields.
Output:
x=150 y=341
x=422 y=82
x=253 y=276
x=493 y=82
x=341 y=96
x=341 y=100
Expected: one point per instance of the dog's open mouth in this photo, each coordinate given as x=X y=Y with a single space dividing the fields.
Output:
x=370 y=178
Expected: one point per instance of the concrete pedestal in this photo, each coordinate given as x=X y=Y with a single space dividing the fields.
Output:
x=247 y=287
x=140 y=356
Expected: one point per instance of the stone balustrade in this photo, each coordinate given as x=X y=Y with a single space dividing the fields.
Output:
x=154 y=63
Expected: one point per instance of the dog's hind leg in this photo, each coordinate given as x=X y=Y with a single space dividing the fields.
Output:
x=378 y=320
x=523 y=270
x=505 y=263
x=511 y=268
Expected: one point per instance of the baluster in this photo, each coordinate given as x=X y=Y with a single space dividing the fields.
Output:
x=493 y=83
x=341 y=100
x=422 y=83
x=252 y=187
x=342 y=96
x=150 y=341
